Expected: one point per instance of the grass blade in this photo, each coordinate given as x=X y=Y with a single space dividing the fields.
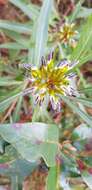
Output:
x=5 y=103
x=42 y=31
x=88 y=90
x=7 y=81
x=77 y=110
x=76 y=11
x=14 y=26
x=84 y=101
x=30 y=12
x=12 y=45
x=82 y=52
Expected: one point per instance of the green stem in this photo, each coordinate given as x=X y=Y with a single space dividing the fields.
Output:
x=58 y=174
x=15 y=185
x=41 y=115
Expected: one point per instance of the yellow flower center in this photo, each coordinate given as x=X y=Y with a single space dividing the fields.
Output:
x=67 y=33
x=51 y=80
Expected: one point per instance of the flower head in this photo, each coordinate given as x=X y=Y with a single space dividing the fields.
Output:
x=67 y=34
x=50 y=80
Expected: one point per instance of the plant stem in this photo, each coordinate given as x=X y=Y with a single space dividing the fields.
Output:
x=15 y=185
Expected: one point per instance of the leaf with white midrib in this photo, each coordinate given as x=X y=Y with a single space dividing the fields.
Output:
x=42 y=31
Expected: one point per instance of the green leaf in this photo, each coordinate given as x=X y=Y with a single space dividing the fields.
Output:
x=12 y=45
x=18 y=168
x=17 y=110
x=5 y=103
x=2 y=143
x=10 y=97
x=80 y=12
x=15 y=182
x=77 y=110
x=8 y=81
x=9 y=156
x=76 y=11
x=16 y=27
x=18 y=171
x=88 y=90
x=84 y=12
x=85 y=101
x=42 y=31
x=33 y=140
x=29 y=11
x=24 y=41
x=22 y=168
x=82 y=132
x=52 y=179
x=69 y=164
x=82 y=52
x=31 y=51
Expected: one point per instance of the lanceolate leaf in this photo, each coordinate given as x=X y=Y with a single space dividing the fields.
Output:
x=77 y=110
x=30 y=12
x=17 y=38
x=7 y=81
x=84 y=12
x=80 y=11
x=76 y=11
x=14 y=26
x=85 y=101
x=33 y=140
x=42 y=30
x=82 y=52
x=12 y=45
x=4 y=104
x=88 y=90
x=82 y=132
